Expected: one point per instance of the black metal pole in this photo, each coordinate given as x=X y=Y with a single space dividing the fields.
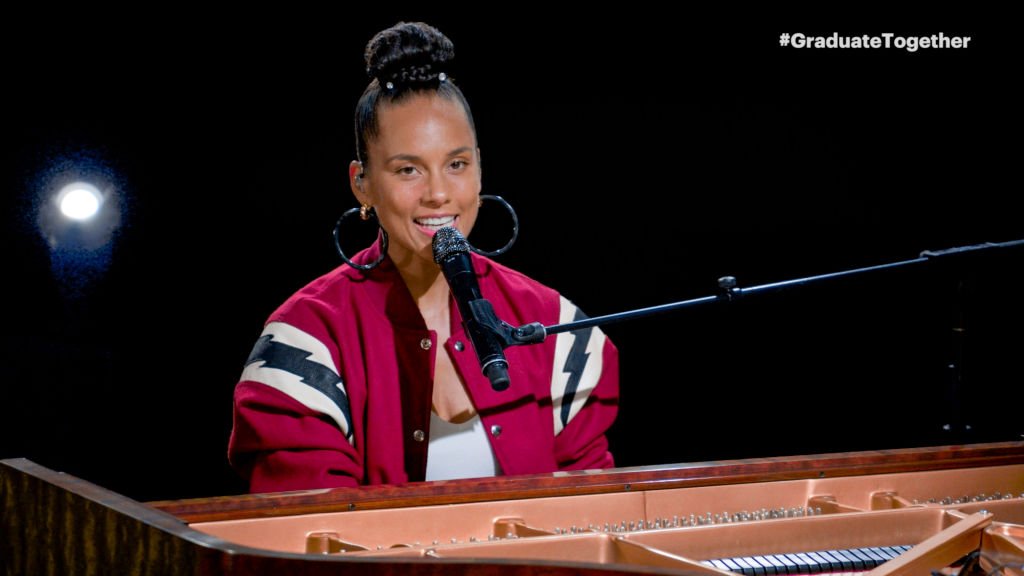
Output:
x=728 y=290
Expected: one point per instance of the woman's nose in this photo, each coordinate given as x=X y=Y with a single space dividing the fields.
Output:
x=437 y=190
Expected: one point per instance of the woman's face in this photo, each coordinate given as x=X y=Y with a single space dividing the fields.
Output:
x=423 y=173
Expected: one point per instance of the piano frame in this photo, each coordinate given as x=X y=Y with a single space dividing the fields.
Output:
x=54 y=523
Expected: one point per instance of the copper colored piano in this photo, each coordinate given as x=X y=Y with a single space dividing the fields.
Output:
x=937 y=510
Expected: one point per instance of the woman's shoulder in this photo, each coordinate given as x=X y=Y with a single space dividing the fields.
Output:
x=329 y=291
x=518 y=298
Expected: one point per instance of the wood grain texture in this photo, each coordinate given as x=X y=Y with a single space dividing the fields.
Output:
x=53 y=523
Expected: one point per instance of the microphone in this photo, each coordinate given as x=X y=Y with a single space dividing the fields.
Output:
x=451 y=252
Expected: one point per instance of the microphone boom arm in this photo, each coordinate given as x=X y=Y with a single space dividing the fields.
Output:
x=535 y=332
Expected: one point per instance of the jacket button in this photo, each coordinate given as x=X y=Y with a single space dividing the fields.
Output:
x=418 y=435
x=425 y=343
x=495 y=430
x=459 y=346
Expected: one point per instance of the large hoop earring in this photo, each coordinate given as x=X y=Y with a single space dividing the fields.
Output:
x=364 y=214
x=515 y=227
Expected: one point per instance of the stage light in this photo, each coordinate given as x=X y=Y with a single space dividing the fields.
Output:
x=80 y=215
x=79 y=201
x=79 y=212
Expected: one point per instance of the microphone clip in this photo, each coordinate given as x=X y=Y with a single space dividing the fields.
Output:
x=507 y=335
x=483 y=325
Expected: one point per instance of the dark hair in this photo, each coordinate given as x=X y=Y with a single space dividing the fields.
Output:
x=405 y=59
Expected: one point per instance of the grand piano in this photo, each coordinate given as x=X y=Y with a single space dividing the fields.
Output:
x=934 y=510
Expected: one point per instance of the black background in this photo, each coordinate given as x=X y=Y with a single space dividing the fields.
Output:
x=646 y=156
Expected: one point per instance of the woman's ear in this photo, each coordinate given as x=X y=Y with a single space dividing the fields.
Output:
x=355 y=179
x=479 y=166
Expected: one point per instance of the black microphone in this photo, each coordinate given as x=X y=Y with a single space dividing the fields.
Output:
x=451 y=252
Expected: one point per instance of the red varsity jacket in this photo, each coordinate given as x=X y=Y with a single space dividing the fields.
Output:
x=337 y=390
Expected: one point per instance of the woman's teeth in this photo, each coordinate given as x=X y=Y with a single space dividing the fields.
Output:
x=435 y=223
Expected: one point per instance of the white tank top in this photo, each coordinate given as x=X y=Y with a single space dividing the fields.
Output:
x=459 y=450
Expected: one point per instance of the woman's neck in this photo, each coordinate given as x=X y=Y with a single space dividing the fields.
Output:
x=428 y=288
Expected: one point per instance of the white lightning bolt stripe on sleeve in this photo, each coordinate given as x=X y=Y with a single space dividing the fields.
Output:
x=577 y=367
x=292 y=361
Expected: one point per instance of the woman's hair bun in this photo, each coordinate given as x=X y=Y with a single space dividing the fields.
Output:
x=409 y=54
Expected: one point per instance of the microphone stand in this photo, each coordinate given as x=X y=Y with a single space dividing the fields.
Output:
x=728 y=291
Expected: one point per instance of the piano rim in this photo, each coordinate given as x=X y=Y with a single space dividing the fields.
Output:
x=575 y=483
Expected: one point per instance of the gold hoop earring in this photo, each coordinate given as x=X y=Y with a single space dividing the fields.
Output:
x=365 y=212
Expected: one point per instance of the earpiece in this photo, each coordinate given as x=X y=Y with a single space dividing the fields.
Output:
x=360 y=174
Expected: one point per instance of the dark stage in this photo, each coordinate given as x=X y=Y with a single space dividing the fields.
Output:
x=646 y=158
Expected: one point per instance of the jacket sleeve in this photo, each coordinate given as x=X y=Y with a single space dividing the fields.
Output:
x=278 y=444
x=584 y=393
x=292 y=423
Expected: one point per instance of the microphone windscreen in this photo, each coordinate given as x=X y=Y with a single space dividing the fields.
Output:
x=448 y=241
